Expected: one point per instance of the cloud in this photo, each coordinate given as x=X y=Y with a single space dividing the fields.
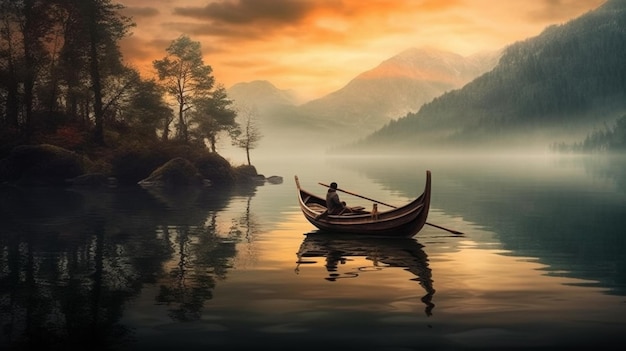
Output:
x=322 y=44
x=141 y=12
x=238 y=18
x=246 y=12
x=556 y=11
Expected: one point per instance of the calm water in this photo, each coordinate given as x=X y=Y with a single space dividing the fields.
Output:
x=540 y=265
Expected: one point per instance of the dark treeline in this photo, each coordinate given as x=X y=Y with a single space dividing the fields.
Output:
x=570 y=75
x=609 y=139
x=63 y=81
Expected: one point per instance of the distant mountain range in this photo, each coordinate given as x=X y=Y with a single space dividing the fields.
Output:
x=399 y=85
x=558 y=86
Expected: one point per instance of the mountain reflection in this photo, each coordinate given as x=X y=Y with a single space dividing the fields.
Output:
x=70 y=259
x=404 y=253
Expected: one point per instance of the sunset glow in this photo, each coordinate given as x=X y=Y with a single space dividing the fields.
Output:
x=316 y=47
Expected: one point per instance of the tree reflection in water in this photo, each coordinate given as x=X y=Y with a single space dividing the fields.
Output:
x=336 y=249
x=71 y=259
x=202 y=253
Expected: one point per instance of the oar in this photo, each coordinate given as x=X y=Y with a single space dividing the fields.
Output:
x=392 y=206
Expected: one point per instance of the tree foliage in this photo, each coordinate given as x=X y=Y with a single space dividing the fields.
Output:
x=63 y=82
x=213 y=115
x=185 y=77
x=57 y=60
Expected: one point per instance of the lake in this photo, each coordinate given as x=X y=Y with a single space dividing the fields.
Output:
x=540 y=263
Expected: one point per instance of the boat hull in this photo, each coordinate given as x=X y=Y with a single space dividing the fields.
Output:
x=403 y=221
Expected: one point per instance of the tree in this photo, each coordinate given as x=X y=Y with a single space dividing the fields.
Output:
x=25 y=26
x=618 y=136
x=147 y=110
x=213 y=114
x=135 y=105
x=62 y=76
x=185 y=77
x=248 y=135
x=105 y=27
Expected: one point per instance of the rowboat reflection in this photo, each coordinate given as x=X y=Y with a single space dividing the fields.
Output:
x=336 y=249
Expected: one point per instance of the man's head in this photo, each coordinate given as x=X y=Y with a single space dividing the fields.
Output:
x=333 y=185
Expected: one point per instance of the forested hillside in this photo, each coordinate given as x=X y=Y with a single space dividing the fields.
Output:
x=556 y=86
x=64 y=84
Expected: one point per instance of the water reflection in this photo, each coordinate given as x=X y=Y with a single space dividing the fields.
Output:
x=132 y=269
x=336 y=249
x=568 y=212
x=71 y=259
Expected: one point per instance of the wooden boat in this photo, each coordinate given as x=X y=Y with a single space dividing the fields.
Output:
x=402 y=221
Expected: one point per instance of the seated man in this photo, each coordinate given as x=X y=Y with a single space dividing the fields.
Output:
x=333 y=204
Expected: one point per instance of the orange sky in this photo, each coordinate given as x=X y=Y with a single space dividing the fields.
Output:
x=317 y=46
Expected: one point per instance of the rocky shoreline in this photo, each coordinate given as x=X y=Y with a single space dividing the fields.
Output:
x=49 y=165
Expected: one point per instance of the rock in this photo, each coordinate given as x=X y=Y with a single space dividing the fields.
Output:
x=258 y=179
x=275 y=179
x=90 y=179
x=175 y=172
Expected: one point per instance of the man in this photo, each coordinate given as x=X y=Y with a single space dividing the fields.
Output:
x=333 y=204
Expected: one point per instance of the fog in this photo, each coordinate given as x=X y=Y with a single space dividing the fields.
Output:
x=286 y=144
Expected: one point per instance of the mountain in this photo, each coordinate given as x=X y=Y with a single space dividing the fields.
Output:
x=274 y=112
x=262 y=95
x=397 y=86
x=557 y=86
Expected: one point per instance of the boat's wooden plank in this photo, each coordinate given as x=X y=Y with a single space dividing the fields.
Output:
x=316 y=207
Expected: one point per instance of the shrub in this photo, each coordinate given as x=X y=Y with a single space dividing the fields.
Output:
x=43 y=165
x=132 y=163
x=215 y=168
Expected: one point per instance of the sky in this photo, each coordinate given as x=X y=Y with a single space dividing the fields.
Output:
x=315 y=47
